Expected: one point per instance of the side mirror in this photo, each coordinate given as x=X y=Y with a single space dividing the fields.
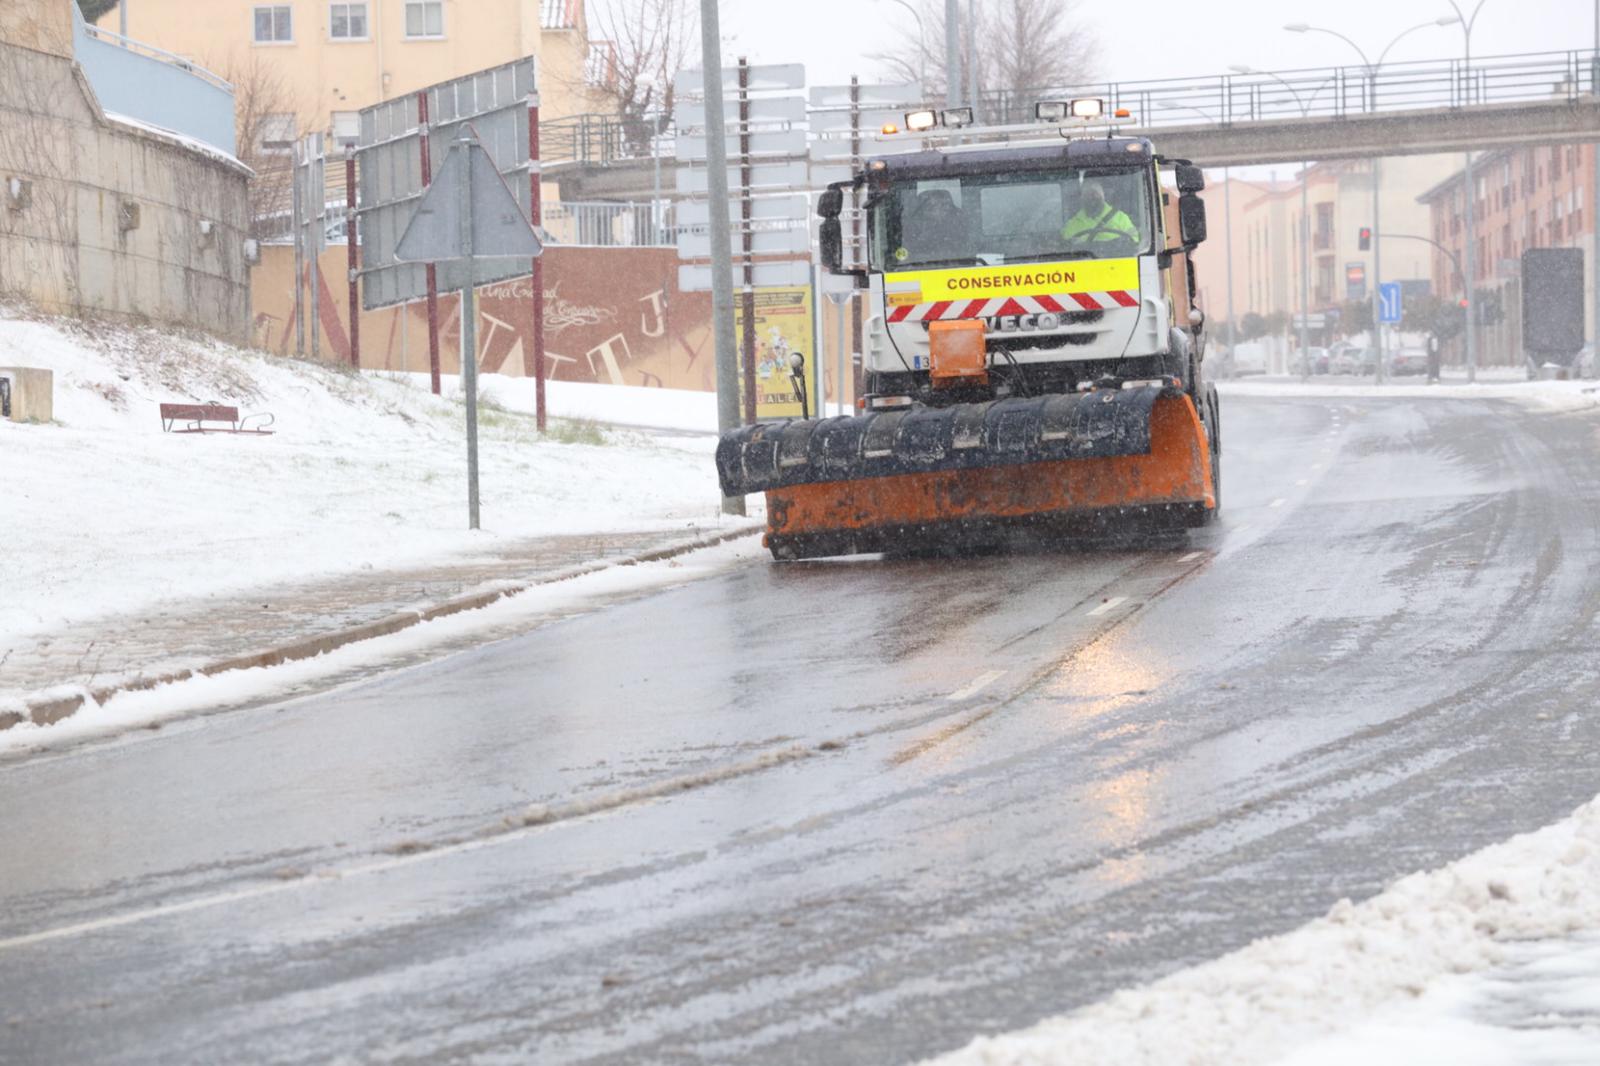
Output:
x=1190 y=178
x=830 y=241
x=1192 y=220
x=831 y=202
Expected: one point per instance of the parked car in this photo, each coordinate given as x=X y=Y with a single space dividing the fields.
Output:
x=1311 y=361
x=1247 y=357
x=1350 y=360
x=1408 y=361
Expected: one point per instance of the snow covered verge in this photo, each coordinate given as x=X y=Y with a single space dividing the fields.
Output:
x=1387 y=965
x=102 y=513
x=1556 y=395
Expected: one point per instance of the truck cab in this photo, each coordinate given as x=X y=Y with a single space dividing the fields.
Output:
x=1066 y=255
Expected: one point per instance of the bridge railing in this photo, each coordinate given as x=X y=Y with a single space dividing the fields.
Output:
x=1327 y=92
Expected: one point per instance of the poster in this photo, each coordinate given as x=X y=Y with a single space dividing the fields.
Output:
x=783 y=327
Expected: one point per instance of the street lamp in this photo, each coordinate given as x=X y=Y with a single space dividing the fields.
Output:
x=1467 y=22
x=952 y=53
x=922 y=44
x=1305 y=216
x=1227 y=211
x=1377 y=162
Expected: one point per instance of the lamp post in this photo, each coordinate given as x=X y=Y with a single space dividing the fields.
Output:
x=1594 y=216
x=1467 y=22
x=952 y=53
x=922 y=44
x=1305 y=218
x=724 y=341
x=1227 y=213
x=1377 y=163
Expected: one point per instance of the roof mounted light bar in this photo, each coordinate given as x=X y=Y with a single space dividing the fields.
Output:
x=951 y=118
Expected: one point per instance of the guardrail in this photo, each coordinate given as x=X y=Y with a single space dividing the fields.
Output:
x=1327 y=92
x=1217 y=100
x=619 y=225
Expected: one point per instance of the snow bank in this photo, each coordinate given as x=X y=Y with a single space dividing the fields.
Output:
x=104 y=513
x=1541 y=1009
x=1278 y=996
x=1558 y=395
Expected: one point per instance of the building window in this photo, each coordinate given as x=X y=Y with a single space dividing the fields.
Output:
x=424 y=18
x=274 y=24
x=277 y=134
x=347 y=22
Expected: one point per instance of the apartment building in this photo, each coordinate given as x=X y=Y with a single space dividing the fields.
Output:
x=1266 y=218
x=1528 y=197
x=313 y=64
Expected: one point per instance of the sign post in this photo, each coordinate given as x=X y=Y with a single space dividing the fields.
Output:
x=468 y=213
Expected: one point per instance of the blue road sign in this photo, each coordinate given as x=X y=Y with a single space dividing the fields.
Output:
x=1389 y=302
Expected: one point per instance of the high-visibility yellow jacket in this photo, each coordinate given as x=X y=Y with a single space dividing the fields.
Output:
x=1111 y=223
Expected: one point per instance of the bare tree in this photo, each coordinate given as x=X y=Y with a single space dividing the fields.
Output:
x=262 y=102
x=1021 y=47
x=650 y=41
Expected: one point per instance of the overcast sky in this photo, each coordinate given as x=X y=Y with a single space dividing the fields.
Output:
x=1170 y=38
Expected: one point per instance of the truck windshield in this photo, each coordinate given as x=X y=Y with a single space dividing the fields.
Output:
x=1079 y=213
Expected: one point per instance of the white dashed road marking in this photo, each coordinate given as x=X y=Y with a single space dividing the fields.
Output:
x=977 y=685
x=1110 y=605
x=1191 y=557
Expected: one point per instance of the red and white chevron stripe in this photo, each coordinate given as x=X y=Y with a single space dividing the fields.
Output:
x=1013 y=305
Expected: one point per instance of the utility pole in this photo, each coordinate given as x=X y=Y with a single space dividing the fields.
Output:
x=469 y=327
x=1594 y=214
x=727 y=347
x=972 y=58
x=1305 y=271
x=1227 y=215
x=952 y=53
x=1377 y=265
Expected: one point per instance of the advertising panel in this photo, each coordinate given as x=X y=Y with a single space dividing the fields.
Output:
x=784 y=326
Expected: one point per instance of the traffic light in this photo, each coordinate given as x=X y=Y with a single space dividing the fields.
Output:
x=1365 y=236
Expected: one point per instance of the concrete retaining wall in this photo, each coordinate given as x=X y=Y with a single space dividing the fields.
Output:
x=97 y=215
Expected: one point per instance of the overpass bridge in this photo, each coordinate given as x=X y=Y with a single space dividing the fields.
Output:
x=1238 y=118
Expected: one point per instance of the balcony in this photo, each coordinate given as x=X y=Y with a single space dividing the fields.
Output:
x=149 y=87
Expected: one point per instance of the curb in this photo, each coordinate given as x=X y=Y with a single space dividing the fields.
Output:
x=52 y=709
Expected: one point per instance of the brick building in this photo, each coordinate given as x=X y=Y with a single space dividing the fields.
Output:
x=1529 y=197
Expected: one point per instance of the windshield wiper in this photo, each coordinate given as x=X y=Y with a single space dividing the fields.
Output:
x=960 y=260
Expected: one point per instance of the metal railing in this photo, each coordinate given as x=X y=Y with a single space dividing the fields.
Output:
x=150 y=51
x=1326 y=92
x=1217 y=100
x=598 y=140
x=607 y=225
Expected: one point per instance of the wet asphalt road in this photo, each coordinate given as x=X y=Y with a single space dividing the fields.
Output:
x=846 y=812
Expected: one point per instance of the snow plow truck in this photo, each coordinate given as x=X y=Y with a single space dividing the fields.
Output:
x=1033 y=357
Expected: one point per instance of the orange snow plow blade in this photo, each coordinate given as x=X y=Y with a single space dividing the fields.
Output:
x=1169 y=486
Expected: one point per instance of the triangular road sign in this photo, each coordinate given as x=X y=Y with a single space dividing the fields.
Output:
x=499 y=228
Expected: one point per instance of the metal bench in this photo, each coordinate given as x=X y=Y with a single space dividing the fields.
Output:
x=195 y=416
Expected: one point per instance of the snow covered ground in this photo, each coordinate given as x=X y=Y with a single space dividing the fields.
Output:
x=102 y=513
x=1494 y=959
